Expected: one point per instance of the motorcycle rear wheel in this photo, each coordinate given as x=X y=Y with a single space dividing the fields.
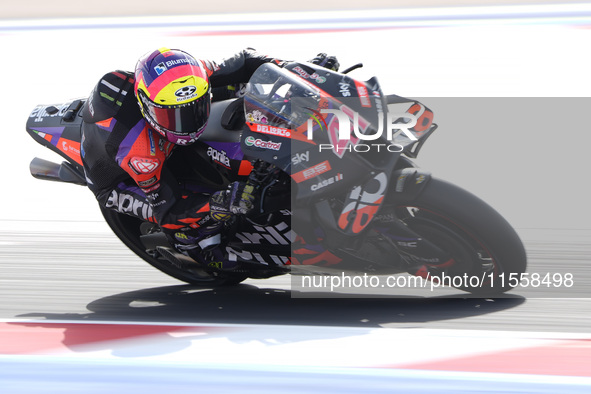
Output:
x=486 y=249
x=127 y=229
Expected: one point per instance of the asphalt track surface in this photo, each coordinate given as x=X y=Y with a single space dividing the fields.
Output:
x=92 y=277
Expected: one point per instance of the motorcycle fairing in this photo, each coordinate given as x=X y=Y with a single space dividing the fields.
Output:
x=362 y=203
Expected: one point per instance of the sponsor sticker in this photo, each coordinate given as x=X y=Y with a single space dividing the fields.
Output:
x=345 y=88
x=271 y=130
x=149 y=182
x=186 y=92
x=143 y=165
x=44 y=111
x=363 y=94
x=299 y=158
x=160 y=68
x=326 y=182
x=311 y=172
x=70 y=148
x=220 y=157
x=256 y=142
x=305 y=75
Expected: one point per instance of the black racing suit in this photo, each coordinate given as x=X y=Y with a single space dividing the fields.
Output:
x=126 y=161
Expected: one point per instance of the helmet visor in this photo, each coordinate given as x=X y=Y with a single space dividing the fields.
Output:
x=182 y=119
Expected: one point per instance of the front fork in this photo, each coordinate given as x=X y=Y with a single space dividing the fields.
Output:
x=421 y=256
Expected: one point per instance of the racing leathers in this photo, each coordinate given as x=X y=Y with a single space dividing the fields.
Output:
x=125 y=161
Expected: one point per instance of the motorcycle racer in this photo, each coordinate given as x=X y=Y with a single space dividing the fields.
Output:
x=134 y=122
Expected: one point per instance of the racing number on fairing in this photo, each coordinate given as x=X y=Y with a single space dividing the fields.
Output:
x=363 y=203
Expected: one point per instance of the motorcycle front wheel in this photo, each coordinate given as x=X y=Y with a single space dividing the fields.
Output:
x=487 y=251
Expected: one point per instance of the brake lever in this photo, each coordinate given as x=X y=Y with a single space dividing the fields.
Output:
x=353 y=67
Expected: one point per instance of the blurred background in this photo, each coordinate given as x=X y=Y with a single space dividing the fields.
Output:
x=71 y=8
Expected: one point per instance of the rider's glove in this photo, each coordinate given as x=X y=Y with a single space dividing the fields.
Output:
x=237 y=199
x=329 y=62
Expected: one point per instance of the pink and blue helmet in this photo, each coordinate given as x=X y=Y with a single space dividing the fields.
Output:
x=173 y=92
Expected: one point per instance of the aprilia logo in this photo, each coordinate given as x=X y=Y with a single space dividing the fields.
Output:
x=279 y=234
x=126 y=203
x=220 y=157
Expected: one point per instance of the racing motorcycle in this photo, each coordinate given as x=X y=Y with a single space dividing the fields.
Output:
x=329 y=159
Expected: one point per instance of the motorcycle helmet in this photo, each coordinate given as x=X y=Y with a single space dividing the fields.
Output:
x=173 y=92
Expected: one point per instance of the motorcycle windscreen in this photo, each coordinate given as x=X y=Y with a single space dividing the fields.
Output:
x=274 y=117
x=292 y=120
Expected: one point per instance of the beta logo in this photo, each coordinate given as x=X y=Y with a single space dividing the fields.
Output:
x=141 y=165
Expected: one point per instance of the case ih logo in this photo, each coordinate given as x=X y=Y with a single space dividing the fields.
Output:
x=311 y=172
x=143 y=166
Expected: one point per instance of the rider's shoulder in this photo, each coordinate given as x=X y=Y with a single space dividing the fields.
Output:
x=111 y=92
x=115 y=85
